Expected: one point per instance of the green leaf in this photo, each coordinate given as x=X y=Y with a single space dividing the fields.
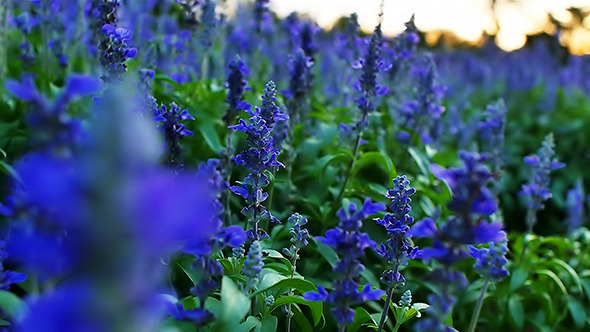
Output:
x=269 y=324
x=210 y=136
x=299 y=284
x=421 y=160
x=516 y=311
x=569 y=270
x=327 y=252
x=517 y=279
x=234 y=304
x=361 y=317
x=322 y=163
x=6 y=168
x=317 y=308
x=10 y=303
x=247 y=326
x=377 y=158
x=301 y=320
x=578 y=312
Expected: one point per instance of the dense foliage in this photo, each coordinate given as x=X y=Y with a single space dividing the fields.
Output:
x=166 y=167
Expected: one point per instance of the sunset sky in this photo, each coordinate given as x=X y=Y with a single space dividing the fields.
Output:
x=466 y=18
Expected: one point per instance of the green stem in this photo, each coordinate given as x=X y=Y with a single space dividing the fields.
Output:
x=478 y=306
x=385 y=309
x=289 y=313
x=348 y=173
x=531 y=220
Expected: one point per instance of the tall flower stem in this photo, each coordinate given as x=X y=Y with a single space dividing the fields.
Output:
x=290 y=315
x=348 y=175
x=478 y=306
x=386 y=309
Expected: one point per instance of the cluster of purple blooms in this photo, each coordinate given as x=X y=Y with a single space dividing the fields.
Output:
x=349 y=243
x=174 y=130
x=259 y=158
x=397 y=249
x=537 y=191
x=472 y=203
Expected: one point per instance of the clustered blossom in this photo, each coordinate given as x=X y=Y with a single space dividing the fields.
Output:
x=537 y=190
x=299 y=82
x=491 y=129
x=472 y=203
x=349 y=243
x=371 y=64
x=575 y=207
x=253 y=266
x=397 y=250
x=299 y=236
x=209 y=23
x=236 y=86
x=261 y=14
x=173 y=130
x=115 y=51
x=260 y=157
x=421 y=114
x=491 y=262
x=8 y=278
x=55 y=129
x=203 y=248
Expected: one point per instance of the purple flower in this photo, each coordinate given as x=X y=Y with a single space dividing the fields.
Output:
x=490 y=262
x=397 y=250
x=261 y=156
x=349 y=243
x=173 y=131
x=575 y=207
x=236 y=85
x=537 y=190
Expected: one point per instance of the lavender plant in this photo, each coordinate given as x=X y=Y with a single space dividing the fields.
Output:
x=397 y=250
x=173 y=130
x=536 y=192
x=259 y=158
x=472 y=202
x=575 y=207
x=490 y=265
x=299 y=239
x=349 y=243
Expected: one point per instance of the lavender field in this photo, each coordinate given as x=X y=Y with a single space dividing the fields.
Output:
x=173 y=165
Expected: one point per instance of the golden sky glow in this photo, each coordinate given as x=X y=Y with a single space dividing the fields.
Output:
x=468 y=19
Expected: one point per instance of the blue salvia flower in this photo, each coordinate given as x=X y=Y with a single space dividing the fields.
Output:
x=173 y=130
x=491 y=129
x=574 y=203
x=236 y=85
x=115 y=52
x=421 y=114
x=472 y=203
x=371 y=64
x=397 y=250
x=147 y=103
x=253 y=266
x=490 y=263
x=269 y=111
x=203 y=248
x=261 y=14
x=8 y=278
x=537 y=190
x=261 y=156
x=306 y=39
x=189 y=10
x=54 y=128
x=209 y=23
x=299 y=237
x=349 y=243
x=299 y=83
